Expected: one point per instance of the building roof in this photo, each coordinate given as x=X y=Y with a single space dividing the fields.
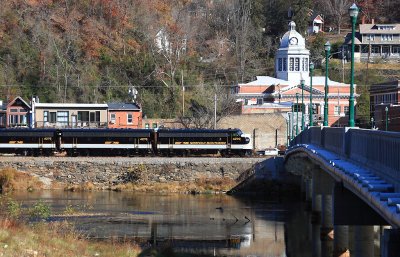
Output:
x=69 y=105
x=123 y=106
x=20 y=99
x=385 y=87
x=375 y=28
x=357 y=39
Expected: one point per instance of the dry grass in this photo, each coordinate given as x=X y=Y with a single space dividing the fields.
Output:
x=10 y=179
x=84 y=187
x=200 y=185
x=55 y=239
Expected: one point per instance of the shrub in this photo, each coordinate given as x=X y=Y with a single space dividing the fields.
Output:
x=13 y=209
x=40 y=210
x=6 y=177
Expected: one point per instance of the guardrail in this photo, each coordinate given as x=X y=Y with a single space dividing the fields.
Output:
x=379 y=150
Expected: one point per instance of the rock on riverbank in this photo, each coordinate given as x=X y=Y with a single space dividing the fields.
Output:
x=109 y=171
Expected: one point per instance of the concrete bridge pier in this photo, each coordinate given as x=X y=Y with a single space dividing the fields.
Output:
x=363 y=241
x=316 y=239
x=341 y=241
x=390 y=243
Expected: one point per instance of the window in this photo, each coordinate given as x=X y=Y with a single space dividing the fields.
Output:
x=279 y=64
x=375 y=49
x=92 y=117
x=396 y=49
x=22 y=110
x=22 y=119
x=62 y=117
x=387 y=37
x=46 y=116
x=284 y=64
x=297 y=64
x=259 y=101
x=130 y=118
x=83 y=116
x=371 y=37
x=13 y=110
x=346 y=110
x=112 y=117
x=305 y=64
x=53 y=117
x=13 y=119
x=291 y=64
x=336 y=110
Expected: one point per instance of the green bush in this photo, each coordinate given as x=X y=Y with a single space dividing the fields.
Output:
x=40 y=210
x=13 y=209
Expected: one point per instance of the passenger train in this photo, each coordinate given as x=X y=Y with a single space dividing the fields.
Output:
x=124 y=142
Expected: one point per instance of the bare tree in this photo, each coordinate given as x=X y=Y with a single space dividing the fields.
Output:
x=338 y=9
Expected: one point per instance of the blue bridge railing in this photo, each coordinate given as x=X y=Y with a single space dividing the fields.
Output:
x=379 y=150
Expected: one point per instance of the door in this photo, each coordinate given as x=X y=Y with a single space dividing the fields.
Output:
x=385 y=51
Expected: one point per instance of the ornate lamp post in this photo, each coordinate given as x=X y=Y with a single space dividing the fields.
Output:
x=297 y=114
x=302 y=105
x=310 y=109
x=387 y=119
x=327 y=53
x=353 y=12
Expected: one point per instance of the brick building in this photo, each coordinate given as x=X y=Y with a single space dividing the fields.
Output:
x=124 y=115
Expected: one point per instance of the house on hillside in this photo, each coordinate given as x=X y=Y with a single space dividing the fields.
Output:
x=18 y=113
x=382 y=96
x=316 y=24
x=375 y=42
x=68 y=115
x=278 y=94
x=3 y=115
x=124 y=115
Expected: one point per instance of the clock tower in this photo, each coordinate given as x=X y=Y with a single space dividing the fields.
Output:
x=292 y=58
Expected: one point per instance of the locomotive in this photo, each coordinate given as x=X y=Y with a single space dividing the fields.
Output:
x=124 y=142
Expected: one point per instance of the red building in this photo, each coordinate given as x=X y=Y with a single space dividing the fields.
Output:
x=385 y=103
x=124 y=115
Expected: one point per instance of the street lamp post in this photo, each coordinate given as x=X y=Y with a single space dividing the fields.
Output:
x=302 y=105
x=353 y=12
x=387 y=119
x=297 y=114
x=310 y=109
x=327 y=53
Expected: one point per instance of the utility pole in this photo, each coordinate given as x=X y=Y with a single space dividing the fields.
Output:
x=215 y=110
x=183 y=97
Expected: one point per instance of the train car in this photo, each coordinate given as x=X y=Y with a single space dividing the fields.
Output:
x=25 y=141
x=200 y=141
x=106 y=142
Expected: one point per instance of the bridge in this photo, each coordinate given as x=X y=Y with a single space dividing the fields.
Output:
x=351 y=176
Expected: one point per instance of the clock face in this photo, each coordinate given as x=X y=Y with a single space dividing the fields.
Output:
x=293 y=41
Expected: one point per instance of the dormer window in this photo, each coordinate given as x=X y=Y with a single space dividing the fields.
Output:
x=385 y=27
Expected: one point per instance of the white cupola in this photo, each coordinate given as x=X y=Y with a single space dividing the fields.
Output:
x=292 y=58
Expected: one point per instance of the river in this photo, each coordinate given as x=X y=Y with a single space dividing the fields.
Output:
x=219 y=225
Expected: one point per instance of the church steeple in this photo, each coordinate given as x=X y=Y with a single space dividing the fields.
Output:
x=292 y=57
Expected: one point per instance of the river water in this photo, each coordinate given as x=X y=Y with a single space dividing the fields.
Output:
x=219 y=225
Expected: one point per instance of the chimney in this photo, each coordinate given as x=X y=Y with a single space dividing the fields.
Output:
x=373 y=21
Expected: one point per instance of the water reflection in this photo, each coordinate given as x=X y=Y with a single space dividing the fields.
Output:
x=217 y=224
